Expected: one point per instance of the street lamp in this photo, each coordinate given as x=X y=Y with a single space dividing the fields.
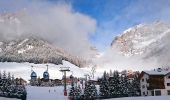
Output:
x=65 y=69
x=72 y=80
x=86 y=76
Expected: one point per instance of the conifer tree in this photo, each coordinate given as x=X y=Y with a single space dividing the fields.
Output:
x=72 y=90
x=114 y=85
x=136 y=86
x=124 y=84
x=104 y=86
x=0 y=75
x=90 y=91
x=75 y=91
x=78 y=91
x=4 y=75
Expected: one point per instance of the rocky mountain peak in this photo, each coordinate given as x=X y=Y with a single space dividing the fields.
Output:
x=140 y=38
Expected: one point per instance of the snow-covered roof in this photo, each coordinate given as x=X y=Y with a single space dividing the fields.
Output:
x=157 y=72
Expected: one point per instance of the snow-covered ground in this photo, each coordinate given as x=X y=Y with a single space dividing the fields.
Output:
x=2 y=98
x=45 y=93
x=144 y=98
x=56 y=93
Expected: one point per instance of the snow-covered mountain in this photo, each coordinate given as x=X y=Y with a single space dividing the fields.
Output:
x=148 y=40
x=35 y=50
x=18 y=44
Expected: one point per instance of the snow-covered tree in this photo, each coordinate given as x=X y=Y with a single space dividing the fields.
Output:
x=104 y=86
x=75 y=92
x=135 y=85
x=90 y=91
x=0 y=75
x=124 y=85
x=9 y=76
x=114 y=85
x=9 y=88
x=4 y=75
x=111 y=73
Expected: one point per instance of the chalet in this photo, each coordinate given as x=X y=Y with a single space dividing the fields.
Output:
x=155 y=82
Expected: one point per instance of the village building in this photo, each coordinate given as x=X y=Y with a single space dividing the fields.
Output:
x=155 y=82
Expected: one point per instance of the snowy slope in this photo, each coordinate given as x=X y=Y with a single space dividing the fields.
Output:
x=24 y=69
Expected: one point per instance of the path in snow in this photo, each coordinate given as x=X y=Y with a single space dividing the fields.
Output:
x=143 y=98
x=2 y=98
x=42 y=93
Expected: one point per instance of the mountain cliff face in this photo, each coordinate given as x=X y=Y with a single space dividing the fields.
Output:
x=145 y=40
x=34 y=50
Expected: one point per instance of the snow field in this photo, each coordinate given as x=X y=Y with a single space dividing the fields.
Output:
x=45 y=93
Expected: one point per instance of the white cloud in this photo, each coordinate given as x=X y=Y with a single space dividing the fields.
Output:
x=59 y=24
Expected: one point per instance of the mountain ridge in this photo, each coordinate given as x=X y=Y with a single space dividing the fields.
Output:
x=35 y=50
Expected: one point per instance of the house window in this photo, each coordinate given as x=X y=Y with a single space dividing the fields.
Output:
x=157 y=92
x=168 y=84
x=168 y=77
x=142 y=80
x=143 y=86
x=152 y=92
x=168 y=91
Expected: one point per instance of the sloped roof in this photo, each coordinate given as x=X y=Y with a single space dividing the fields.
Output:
x=156 y=72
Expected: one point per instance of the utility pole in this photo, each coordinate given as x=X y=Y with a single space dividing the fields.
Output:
x=86 y=76
x=65 y=69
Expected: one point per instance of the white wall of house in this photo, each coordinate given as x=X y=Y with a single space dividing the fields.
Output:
x=167 y=80
x=144 y=84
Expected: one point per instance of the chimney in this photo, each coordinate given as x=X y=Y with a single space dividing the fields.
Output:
x=159 y=69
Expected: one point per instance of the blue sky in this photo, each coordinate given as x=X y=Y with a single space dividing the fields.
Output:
x=115 y=16
x=112 y=16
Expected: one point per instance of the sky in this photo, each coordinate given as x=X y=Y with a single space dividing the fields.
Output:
x=109 y=17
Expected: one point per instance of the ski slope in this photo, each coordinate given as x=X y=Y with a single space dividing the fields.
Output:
x=45 y=93
x=56 y=93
